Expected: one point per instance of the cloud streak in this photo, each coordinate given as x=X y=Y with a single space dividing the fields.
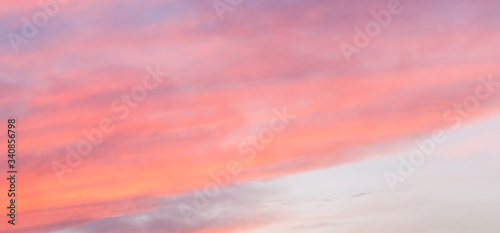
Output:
x=226 y=77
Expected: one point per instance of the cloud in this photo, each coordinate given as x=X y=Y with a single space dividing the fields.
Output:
x=226 y=79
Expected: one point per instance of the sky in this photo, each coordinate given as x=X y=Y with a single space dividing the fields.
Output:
x=252 y=116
